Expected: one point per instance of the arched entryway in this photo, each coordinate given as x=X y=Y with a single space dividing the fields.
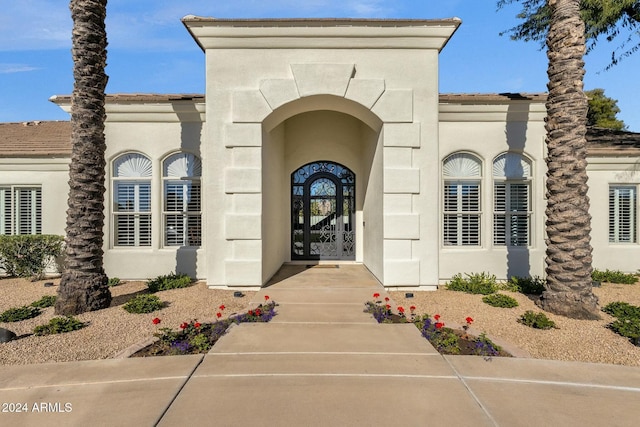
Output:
x=323 y=212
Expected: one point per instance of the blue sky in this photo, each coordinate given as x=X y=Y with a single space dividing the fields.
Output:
x=151 y=52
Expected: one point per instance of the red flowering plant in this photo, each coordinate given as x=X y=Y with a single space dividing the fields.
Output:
x=193 y=337
x=383 y=313
x=443 y=338
x=469 y=321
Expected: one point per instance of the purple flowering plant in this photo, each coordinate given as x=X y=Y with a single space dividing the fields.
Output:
x=194 y=337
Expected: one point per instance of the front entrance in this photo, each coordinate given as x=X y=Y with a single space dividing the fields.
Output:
x=323 y=212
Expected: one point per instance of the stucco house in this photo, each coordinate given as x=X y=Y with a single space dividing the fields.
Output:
x=322 y=140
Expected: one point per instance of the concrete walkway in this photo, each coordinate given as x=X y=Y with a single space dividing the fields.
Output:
x=320 y=362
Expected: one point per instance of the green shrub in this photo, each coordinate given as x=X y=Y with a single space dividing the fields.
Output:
x=59 y=325
x=29 y=255
x=526 y=285
x=143 y=304
x=621 y=309
x=628 y=327
x=446 y=341
x=114 y=281
x=45 y=301
x=613 y=276
x=19 y=313
x=500 y=300
x=536 y=320
x=169 y=281
x=201 y=342
x=475 y=283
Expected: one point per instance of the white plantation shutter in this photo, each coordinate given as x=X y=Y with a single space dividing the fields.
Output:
x=132 y=200
x=20 y=210
x=5 y=210
x=132 y=165
x=182 y=165
x=182 y=200
x=511 y=200
x=461 y=193
x=622 y=214
x=28 y=211
x=462 y=165
x=511 y=166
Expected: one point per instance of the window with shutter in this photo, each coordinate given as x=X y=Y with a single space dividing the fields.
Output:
x=462 y=211
x=622 y=214
x=132 y=200
x=182 y=216
x=511 y=200
x=20 y=210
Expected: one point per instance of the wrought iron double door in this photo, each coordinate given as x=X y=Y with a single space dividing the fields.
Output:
x=323 y=212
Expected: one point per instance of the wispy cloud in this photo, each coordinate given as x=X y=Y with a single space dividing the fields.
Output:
x=34 y=24
x=370 y=8
x=16 y=68
x=155 y=24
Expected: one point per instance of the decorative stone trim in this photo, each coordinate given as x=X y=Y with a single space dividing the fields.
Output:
x=322 y=79
x=400 y=226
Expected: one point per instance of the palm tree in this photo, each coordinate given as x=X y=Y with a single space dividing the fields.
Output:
x=83 y=286
x=569 y=286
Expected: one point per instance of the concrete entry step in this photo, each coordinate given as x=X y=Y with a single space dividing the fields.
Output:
x=339 y=364
x=318 y=295
x=318 y=337
x=323 y=276
x=325 y=401
x=335 y=313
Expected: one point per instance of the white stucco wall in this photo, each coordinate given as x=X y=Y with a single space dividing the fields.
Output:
x=488 y=129
x=604 y=172
x=52 y=175
x=157 y=131
x=261 y=75
x=276 y=212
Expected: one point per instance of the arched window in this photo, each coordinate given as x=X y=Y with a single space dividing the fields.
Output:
x=132 y=200
x=511 y=200
x=182 y=218
x=462 y=211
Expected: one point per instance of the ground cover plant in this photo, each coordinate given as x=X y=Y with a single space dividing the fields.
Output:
x=18 y=314
x=474 y=283
x=114 y=281
x=445 y=340
x=613 y=276
x=59 y=325
x=525 y=285
x=169 y=281
x=45 y=301
x=500 y=300
x=144 y=303
x=194 y=337
x=536 y=320
x=627 y=323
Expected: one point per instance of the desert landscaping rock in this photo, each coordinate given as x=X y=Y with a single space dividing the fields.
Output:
x=6 y=335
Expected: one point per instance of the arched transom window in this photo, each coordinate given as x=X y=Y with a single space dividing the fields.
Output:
x=462 y=173
x=132 y=200
x=182 y=217
x=511 y=200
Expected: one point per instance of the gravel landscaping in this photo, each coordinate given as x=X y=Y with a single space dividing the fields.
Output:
x=113 y=330
x=574 y=340
x=110 y=331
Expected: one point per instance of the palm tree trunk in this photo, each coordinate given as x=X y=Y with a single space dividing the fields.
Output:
x=83 y=286
x=569 y=286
